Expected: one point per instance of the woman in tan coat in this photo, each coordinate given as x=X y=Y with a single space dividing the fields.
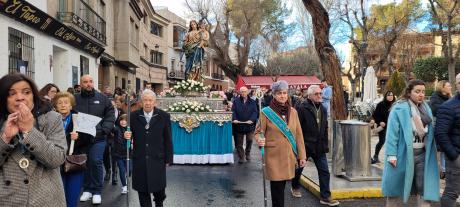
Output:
x=283 y=144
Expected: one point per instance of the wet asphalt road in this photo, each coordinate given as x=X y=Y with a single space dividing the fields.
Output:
x=231 y=185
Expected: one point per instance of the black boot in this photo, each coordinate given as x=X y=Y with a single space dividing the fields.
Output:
x=114 y=178
x=375 y=160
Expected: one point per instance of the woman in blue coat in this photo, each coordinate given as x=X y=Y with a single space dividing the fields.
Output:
x=410 y=151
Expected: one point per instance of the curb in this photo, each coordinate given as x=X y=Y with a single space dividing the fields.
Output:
x=345 y=193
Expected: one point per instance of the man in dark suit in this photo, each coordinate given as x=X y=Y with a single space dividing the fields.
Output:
x=313 y=120
x=153 y=150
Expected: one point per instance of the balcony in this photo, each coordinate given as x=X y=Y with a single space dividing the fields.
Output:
x=176 y=74
x=217 y=76
x=79 y=14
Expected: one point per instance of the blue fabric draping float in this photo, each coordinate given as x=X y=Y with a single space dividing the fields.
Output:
x=203 y=138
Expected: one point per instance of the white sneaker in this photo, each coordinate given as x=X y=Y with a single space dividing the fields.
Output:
x=97 y=199
x=124 y=190
x=85 y=196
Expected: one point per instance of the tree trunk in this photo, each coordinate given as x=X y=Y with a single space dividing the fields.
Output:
x=329 y=61
x=353 y=91
x=451 y=72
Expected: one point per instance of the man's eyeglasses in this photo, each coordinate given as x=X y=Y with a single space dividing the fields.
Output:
x=318 y=94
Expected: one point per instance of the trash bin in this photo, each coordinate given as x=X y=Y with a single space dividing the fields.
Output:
x=353 y=141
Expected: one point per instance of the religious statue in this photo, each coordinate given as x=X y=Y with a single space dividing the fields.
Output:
x=195 y=42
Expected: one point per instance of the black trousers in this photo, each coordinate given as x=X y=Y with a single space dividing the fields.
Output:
x=277 y=191
x=146 y=201
x=110 y=164
x=379 y=145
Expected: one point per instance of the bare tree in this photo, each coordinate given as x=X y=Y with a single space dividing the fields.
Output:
x=445 y=16
x=236 y=24
x=330 y=65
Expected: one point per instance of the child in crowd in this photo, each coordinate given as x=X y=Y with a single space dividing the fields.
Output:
x=120 y=151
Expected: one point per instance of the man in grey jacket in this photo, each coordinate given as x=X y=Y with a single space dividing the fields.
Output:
x=92 y=102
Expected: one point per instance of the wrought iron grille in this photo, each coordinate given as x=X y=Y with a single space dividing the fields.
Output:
x=21 y=53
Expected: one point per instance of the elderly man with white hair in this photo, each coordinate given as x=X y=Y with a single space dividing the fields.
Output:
x=153 y=150
x=313 y=120
x=244 y=119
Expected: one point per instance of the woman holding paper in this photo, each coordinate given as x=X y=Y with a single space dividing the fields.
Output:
x=63 y=103
x=32 y=146
x=279 y=131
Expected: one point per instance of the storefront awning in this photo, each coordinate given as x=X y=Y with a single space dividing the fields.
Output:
x=294 y=81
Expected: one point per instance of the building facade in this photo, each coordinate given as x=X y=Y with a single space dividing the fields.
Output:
x=38 y=44
x=409 y=47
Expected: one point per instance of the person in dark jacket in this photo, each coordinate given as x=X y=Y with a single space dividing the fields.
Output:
x=380 y=116
x=313 y=120
x=267 y=99
x=244 y=117
x=120 y=150
x=442 y=94
x=153 y=150
x=90 y=101
x=63 y=102
x=447 y=135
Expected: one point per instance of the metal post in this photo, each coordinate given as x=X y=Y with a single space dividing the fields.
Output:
x=128 y=143
x=259 y=96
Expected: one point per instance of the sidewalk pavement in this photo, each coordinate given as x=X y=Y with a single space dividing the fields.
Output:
x=342 y=188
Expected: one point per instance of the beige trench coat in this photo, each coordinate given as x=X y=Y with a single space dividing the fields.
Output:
x=280 y=160
x=40 y=184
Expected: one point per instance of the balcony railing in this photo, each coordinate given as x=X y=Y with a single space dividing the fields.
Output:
x=217 y=76
x=176 y=74
x=81 y=15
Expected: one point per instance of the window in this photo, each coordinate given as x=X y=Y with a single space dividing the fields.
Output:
x=102 y=9
x=145 y=18
x=134 y=33
x=62 y=5
x=172 y=64
x=156 y=57
x=123 y=83
x=116 y=82
x=21 y=53
x=178 y=36
x=138 y=84
x=84 y=65
x=146 y=51
x=156 y=29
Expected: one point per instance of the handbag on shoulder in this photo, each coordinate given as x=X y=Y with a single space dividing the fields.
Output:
x=74 y=163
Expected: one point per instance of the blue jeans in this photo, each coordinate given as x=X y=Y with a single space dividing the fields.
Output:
x=122 y=169
x=94 y=175
x=443 y=162
x=323 y=175
x=72 y=186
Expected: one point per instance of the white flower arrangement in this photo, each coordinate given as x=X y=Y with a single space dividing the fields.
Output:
x=190 y=85
x=189 y=107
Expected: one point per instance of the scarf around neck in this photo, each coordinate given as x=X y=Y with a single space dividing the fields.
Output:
x=280 y=109
x=420 y=121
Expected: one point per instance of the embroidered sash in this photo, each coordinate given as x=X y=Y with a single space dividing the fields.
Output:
x=281 y=125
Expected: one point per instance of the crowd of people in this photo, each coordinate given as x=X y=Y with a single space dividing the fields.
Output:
x=39 y=138
x=44 y=160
